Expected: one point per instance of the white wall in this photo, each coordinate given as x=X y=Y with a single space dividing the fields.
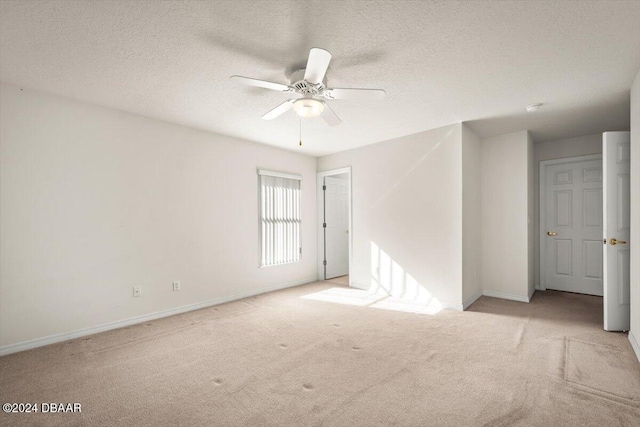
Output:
x=531 y=209
x=506 y=254
x=445 y=211
x=572 y=147
x=634 y=333
x=471 y=214
x=95 y=201
x=407 y=214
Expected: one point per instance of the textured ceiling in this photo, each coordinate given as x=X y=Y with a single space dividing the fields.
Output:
x=440 y=62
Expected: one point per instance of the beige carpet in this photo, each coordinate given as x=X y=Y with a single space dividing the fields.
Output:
x=342 y=280
x=282 y=359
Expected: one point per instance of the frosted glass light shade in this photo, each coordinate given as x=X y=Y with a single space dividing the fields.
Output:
x=308 y=107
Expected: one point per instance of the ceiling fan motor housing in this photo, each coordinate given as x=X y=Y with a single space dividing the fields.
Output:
x=301 y=86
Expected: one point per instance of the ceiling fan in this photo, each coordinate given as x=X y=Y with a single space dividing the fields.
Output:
x=311 y=84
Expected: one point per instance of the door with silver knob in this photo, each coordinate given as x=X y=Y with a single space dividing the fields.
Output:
x=616 y=258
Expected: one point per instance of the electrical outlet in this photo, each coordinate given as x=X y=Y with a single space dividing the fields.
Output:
x=137 y=291
x=176 y=285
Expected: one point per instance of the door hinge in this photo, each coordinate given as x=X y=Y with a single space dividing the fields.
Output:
x=324 y=262
x=324 y=188
x=324 y=225
x=300 y=249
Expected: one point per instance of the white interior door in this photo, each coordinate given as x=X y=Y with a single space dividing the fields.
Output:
x=616 y=160
x=573 y=218
x=336 y=207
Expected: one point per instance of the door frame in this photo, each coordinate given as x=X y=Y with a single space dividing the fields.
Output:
x=320 y=216
x=542 y=217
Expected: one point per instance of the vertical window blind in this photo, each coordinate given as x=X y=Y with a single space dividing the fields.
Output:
x=280 y=218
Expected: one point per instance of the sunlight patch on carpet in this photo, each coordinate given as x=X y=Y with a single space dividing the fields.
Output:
x=346 y=296
x=362 y=298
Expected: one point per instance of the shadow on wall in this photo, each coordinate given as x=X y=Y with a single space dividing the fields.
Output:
x=401 y=231
x=390 y=278
x=400 y=260
x=392 y=288
x=409 y=172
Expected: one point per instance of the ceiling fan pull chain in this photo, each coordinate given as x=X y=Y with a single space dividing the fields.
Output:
x=300 y=131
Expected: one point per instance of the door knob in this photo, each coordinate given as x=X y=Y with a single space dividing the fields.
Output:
x=551 y=233
x=616 y=242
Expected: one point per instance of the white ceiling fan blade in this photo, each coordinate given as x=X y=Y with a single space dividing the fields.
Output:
x=261 y=83
x=364 y=94
x=317 y=65
x=280 y=109
x=330 y=116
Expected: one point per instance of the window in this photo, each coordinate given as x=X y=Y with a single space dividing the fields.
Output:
x=279 y=218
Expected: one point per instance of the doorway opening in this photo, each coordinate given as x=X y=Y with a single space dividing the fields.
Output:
x=585 y=227
x=334 y=224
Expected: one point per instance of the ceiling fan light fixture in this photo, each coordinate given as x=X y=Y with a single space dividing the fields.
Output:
x=308 y=107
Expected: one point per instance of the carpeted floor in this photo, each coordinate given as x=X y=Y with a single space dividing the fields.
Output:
x=288 y=358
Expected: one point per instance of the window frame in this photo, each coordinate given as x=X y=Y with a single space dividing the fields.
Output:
x=274 y=174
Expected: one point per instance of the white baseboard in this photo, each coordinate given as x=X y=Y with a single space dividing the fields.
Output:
x=504 y=295
x=634 y=345
x=51 y=339
x=471 y=300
